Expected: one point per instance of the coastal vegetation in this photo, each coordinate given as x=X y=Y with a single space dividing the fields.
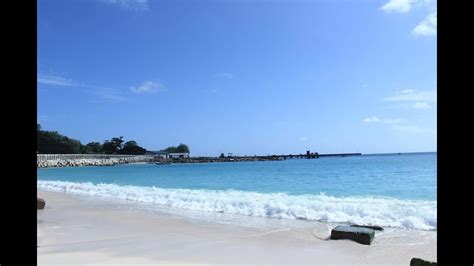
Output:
x=180 y=148
x=52 y=142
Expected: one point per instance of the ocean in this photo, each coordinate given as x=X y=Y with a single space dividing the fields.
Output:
x=388 y=190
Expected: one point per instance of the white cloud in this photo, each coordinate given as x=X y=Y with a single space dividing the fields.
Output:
x=413 y=95
x=374 y=119
x=395 y=124
x=102 y=92
x=107 y=94
x=421 y=106
x=406 y=91
x=224 y=75
x=427 y=27
x=410 y=129
x=54 y=80
x=147 y=87
x=401 y=6
x=130 y=4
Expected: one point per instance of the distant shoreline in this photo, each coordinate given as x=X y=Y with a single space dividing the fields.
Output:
x=67 y=160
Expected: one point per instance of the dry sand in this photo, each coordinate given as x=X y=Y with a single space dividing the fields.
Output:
x=77 y=230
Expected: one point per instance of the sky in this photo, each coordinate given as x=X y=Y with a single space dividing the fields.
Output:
x=240 y=76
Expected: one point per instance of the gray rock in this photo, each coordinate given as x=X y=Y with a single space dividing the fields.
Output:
x=358 y=234
x=40 y=203
x=374 y=227
x=420 y=262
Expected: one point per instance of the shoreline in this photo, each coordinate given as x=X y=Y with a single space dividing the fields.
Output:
x=81 y=229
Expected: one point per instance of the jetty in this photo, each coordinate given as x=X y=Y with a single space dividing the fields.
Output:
x=272 y=157
x=74 y=160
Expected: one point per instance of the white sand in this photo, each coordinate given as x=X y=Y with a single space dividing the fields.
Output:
x=75 y=230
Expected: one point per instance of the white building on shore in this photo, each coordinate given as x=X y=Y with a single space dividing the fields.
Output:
x=169 y=155
x=178 y=155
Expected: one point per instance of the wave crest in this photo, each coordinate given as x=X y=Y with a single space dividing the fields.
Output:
x=413 y=214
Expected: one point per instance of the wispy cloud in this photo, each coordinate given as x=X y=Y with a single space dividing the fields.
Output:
x=223 y=75
x=401 y=6
x=396 y=124
x=427 y=27
x=413 y=95
x=413 y=99
x=102 y=92
x=374 y=119
x=108 y=94
x=140 y=5
x=421 y=106
x=412 y=129
x=54 y=80
x=147 y=87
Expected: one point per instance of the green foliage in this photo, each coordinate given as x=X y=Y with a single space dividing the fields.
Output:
x=51 y=142
x=222 y=155
x=113 y=146
x=131 y=147
x=92 y=148
x=181 y=148
x=170 y=149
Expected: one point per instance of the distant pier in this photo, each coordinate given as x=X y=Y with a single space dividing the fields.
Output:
x=340 y=154
x=273 y=157
x=310 y=155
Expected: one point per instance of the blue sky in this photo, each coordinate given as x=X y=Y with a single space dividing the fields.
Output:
x=239 y=76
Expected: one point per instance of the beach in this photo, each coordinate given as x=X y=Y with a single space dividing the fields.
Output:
x=84 y=230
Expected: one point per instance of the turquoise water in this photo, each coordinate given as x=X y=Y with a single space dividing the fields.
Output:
x=393 y=190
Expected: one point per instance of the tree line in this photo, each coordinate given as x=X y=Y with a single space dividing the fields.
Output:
x=180 y=148
x=51 y=142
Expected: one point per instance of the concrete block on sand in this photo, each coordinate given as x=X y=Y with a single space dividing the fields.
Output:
x=374 y=227
x=358 y=234
x=40 y=203
x=420 y=262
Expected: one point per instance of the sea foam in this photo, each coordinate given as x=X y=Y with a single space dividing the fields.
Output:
x=383 y=211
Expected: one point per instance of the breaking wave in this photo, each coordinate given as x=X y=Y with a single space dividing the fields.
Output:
x=383 y=211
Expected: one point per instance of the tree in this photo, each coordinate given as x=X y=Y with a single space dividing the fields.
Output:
x=93 y=147
x=53 y=142
x=131 y=147
x=171 y=149
x=182 y=148
x=50 y=142
x=113 y=146
x=222 y=155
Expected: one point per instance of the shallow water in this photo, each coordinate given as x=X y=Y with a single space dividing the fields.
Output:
x=388 y=190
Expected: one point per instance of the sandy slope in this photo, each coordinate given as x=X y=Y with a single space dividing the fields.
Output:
x=76 y=230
